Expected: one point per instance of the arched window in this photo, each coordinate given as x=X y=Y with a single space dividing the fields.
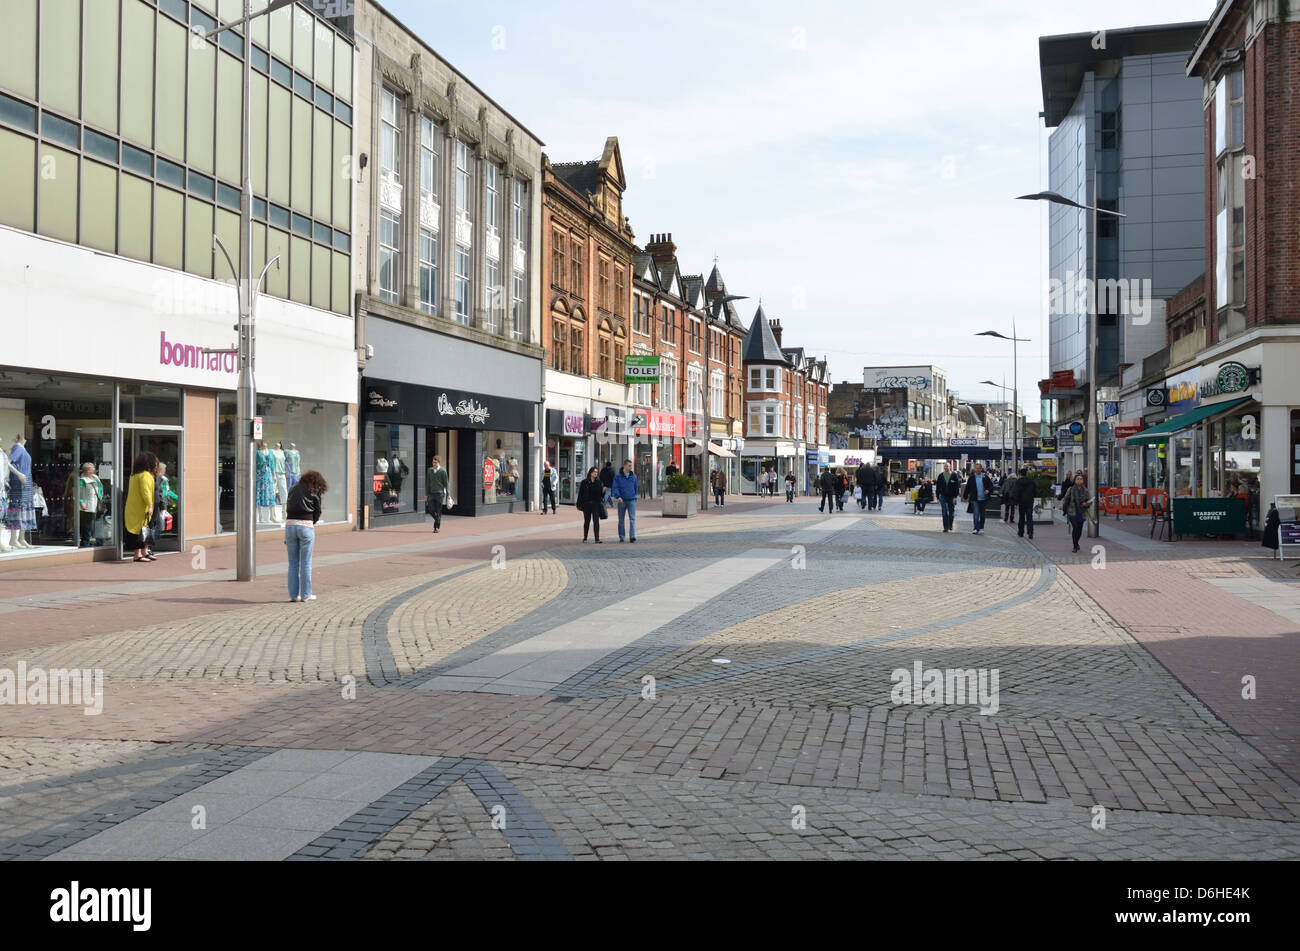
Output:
x=605 y=352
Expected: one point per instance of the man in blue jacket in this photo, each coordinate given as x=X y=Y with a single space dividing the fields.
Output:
x=626 y=490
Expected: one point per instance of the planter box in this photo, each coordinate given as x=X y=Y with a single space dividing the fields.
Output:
x=1048 y=514
x=680 y=504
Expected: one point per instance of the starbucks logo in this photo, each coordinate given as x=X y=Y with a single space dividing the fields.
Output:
x=1233 y=377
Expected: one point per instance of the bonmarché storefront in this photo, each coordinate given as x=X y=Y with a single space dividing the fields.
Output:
x=483 y=441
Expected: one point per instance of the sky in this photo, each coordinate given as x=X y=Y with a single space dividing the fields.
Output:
x=853 y=165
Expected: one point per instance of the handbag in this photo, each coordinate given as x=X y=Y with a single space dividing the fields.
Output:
x=970 y=506
x=601 y=510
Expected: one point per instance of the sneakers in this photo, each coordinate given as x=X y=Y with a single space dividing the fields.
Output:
x=310 y=597
x=633 y=539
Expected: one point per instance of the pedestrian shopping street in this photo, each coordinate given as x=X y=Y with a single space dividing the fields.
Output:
x=727 y=687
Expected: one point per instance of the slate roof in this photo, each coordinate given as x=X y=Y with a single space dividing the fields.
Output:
x=582 y=177
x=760 y=343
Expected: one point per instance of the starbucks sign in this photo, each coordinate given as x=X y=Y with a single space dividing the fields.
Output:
x=1232 y=377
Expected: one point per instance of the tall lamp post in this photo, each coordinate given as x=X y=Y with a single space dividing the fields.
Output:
x=1015 y=389
x=1003 y=388
x=1094 y=451
x=246 y=286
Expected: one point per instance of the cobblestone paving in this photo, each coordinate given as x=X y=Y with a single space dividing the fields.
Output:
x=794 y=748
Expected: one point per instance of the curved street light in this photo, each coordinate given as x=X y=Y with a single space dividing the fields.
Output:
x=1015 y=388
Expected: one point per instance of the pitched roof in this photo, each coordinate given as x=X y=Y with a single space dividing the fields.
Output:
x=760 y=343
x=715 y=283
x=582 y=177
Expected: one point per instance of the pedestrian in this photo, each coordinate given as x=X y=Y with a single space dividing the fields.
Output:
x=719 y=486
x=947 y=489
x=162 y=497
x=827 y=484
x=607 y=480
x=549 y=481
x=626 y=491
x=924 y=494
x=671 y=471
x=1026 y=491
x=1009 y=487
x=139 y=506
x=789 y=486
x=882 y=483
x=1075 y=505
x=435 y=487
x=866 y=479
x=976 y=493
x=591 y=502
x=301 y=513
x=90 y=498
x=841 y=489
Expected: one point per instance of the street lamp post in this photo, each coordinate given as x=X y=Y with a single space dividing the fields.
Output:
x=1094 y=451
x=1015 y=389
x=1003 y=387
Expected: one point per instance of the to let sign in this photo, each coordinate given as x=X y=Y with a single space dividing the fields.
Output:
x=640 y=368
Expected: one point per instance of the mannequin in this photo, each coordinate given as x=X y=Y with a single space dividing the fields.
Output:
x=7 y=471
x=281 y=489
x=265 y=482
x=292 y=465
x=20 y=517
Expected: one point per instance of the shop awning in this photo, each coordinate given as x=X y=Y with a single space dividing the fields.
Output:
x=719 y=451
x=1176 y=424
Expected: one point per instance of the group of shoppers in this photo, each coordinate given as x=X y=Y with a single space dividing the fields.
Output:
x=595 y=496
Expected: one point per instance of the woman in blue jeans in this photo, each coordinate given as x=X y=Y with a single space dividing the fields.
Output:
x=302 y=512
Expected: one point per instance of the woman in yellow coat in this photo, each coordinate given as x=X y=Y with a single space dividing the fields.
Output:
x=139 y=505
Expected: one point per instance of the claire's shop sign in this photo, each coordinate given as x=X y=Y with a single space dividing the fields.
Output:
x=171 y=353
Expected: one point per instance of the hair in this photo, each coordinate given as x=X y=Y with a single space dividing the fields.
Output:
x=438 y=460
x=1024 y=471
x=144 y=462
x=591 y=470
x=313 y=482
x=627 y=462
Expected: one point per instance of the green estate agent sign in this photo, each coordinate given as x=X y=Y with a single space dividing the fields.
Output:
x=1210 y=516
x=640 y=368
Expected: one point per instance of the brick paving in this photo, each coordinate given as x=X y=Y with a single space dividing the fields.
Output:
x=1119 y=687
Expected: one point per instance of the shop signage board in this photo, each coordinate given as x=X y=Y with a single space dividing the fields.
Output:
x=1227 y=379
x=1224 y=516
x=964 y=441
x=1288 y=531
x=641 y=368
x=1047 y=444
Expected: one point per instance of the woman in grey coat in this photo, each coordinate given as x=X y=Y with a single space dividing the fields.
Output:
x=1074 y=503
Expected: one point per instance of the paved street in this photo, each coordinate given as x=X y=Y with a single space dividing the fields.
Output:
x=724 y=688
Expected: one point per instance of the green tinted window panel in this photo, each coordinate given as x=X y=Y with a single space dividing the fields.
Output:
x=202 y=104
x=230 y=114
x=277 y=281
x=135 y=213
x=320 y=277
x=322 y=172
x=56 y=194
x=257 y=138
x=261 y=31
x=99 y=60
x=343 y=170
x=18 y=197
x=300 y=179
x=278 y=145
x=342 y=68
x=282 y=33
x=259 y=251
x=168 y=222
x=228 y=231
x=324 y=70
x=137 y=72
x=209 y=5
x=342 y=299
x=169 y=88
x=98 y=206
x=198 y=237
x=300 y=270
x=303 y=39
x=61 y=55
x=18 y=48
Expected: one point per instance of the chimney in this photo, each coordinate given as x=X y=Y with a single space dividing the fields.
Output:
x=661 y=248
x=776 y=330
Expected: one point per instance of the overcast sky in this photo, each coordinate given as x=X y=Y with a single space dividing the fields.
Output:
x=854 y=165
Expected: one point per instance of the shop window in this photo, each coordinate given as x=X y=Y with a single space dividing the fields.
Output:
x=393 y=487
x=503 y=467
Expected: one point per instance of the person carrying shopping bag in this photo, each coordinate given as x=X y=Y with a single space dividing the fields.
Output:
x=1075 y=503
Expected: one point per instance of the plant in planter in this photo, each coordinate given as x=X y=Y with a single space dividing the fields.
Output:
x=1043 y=494
x=680 y=494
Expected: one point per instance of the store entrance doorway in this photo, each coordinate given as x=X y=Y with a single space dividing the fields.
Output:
x=166 y=443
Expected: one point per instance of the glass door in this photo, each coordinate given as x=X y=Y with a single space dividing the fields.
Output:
x=89 y=504
x=166 y=444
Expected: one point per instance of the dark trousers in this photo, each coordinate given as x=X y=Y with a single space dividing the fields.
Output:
x=828 y=498
x=880 y=497
x=1076 y=529
x=590 y=520
x=1026 y=519
x=548 y=492
x=946 y=510
x=1009 y=512
x=921 y=504
x=862 y=502
x=435 y=503
x=717 y=495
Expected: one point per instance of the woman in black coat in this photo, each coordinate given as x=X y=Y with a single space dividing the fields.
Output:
x=591 y=502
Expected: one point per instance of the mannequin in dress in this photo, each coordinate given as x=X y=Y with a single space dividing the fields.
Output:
x=6 y=472
x=265 y=482
x=20 y=516
x=292 y=465
x=281 y=489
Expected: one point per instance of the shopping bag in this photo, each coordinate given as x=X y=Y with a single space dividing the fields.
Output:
x=857 y=492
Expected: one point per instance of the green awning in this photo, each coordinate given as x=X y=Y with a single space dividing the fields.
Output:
x=1176 y=424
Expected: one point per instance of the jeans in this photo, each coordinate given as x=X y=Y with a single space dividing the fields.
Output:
x=628 y=506
x=300 y=540
x=946 y=510
x=1026 y=518
x=979 y=514
x=880 y=497
x=717 y=496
